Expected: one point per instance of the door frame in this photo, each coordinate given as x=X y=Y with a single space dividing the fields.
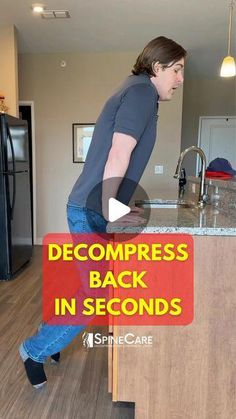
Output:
x=201 y=118
x=31 y=104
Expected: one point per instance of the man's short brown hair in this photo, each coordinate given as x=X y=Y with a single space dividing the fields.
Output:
x=160 y=49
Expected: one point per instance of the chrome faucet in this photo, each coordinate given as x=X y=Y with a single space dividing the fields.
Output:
x=202 y=195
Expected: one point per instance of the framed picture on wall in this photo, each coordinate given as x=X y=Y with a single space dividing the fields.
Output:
x=82 y=136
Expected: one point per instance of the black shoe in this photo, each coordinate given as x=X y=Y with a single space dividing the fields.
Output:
x=35 y=373
x=55 y=358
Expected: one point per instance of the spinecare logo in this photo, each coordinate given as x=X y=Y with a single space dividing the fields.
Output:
x=91 y=340
x=87 y=339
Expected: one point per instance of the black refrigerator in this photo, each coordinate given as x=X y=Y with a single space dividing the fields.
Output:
x=15 y=197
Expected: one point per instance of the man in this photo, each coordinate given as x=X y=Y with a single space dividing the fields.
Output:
x=123 y=139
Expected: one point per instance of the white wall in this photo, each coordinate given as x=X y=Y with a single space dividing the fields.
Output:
x=77 y=93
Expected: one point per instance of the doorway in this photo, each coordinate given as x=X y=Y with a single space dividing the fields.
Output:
x=217 y=138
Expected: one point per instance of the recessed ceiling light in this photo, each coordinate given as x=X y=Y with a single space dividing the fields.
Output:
x=38 y=8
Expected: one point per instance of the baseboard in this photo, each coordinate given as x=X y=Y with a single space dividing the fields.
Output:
x=39 y=241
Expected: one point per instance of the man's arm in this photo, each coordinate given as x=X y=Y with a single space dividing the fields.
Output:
x=119 y=156
x=116 y=166
x=115 y=169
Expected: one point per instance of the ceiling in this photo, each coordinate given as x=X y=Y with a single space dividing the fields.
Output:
x=201 y=26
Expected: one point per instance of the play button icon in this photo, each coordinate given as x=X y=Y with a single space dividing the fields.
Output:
x=106 y=206
x=116 y=209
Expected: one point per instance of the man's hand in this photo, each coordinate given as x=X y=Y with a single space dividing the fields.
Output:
x=137 y=210
x=132 y=219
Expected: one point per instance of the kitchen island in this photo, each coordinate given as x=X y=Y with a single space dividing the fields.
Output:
x=190 y=371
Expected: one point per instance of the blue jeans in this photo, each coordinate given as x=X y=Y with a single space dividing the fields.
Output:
x=52 y=339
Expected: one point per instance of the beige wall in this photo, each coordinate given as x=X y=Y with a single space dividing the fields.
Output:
x=204 y=97
x=9 y=68
x=77 y=93
x=167 y=148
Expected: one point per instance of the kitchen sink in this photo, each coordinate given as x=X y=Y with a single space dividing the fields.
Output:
x=164 y=203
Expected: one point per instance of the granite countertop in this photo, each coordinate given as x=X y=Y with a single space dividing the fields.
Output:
x=208 y=221
x=215 y=219
x=221 y=183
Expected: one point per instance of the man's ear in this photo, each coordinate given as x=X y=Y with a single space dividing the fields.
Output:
x=156 y=67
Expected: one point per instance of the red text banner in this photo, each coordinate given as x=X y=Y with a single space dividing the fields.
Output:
x=144 y=279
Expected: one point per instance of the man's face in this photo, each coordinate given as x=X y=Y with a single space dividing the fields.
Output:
x=166 y=80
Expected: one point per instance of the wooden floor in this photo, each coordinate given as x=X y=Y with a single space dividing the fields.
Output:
x=76 y=388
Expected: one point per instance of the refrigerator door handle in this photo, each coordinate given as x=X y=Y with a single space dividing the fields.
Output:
x=10 y=172
x=12 y=205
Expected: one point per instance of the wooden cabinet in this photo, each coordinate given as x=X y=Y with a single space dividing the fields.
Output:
x=190 y=371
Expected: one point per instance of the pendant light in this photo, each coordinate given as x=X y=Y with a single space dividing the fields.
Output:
x=228 y=67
